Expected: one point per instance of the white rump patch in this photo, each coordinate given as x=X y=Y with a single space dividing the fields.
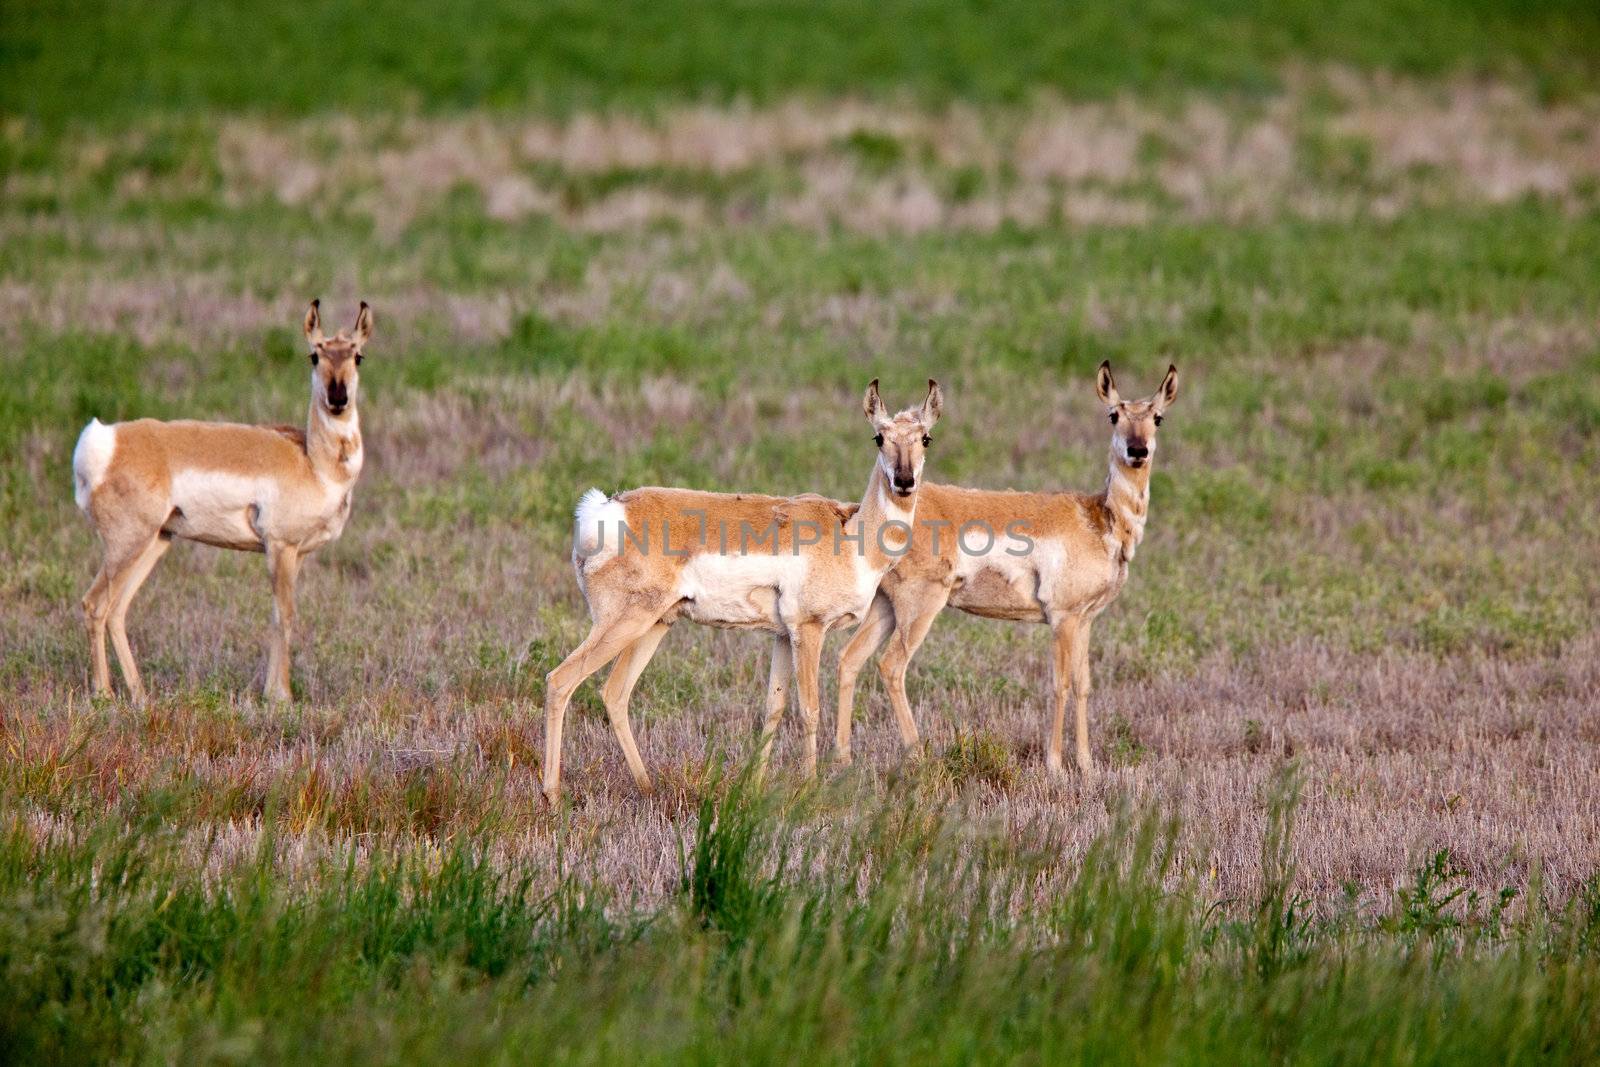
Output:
x=599 y=524
x=90 y=459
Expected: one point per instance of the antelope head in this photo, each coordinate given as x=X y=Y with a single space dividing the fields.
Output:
x=902 y=439
x=1134 y=422
x=335 y=361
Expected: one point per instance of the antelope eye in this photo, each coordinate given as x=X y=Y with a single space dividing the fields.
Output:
x=313 y=359
x=1113 y=418
x=878 y=440
x=926 y=440
x=1158 y=420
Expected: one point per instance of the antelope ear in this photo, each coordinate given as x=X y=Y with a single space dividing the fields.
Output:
x=1106 y=386
x=872 y=406
x=313 y=324
x=363 y=331
x=932 y=407
x=1169 y=389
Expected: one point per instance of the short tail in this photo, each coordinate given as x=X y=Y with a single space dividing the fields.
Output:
x=599 y=523
x=589 y=507
x=90 y=459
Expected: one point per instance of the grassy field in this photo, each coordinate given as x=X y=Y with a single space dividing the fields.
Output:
x=1346 y=704
x=72 y=58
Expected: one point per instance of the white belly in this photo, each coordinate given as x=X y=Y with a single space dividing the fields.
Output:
x=220 y=508
x=747 y=591
x=244 y=512
x=1012 y=560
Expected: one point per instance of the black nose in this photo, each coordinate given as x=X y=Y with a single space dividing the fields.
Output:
x=905 y=482
x=1137 y=450
x=338 y=395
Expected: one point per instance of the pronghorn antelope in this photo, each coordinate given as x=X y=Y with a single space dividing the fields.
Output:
x=278 y=490
x=1056 y=558
x=791 y=566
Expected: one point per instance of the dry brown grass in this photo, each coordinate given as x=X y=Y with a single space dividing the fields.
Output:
x=1400 y=755
x=1334 y=145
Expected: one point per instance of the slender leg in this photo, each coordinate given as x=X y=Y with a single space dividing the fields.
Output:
x=605 y=642
x=779 y=676
x=125 y=588
x=878 y=624
x=95 y=609
x=1063 y=654
x=283 y=564
x=1080 y=690
x=915 y=609
x=807 y=639
x=126 y=539
x=619 y=690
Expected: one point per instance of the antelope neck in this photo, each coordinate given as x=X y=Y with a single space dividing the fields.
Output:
x=333 y=443
x=879 y=508
x=1127 y=501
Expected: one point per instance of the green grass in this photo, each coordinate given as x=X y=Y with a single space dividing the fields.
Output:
x=1429 y=429
x=106 y=59
x=900 y=939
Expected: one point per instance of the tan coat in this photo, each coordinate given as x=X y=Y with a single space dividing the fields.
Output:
x=793 y=567
x=279 y=490
x=229 y=485
x=1053 y=558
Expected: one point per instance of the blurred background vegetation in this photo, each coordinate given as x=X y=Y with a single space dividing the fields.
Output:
x=103 y=58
